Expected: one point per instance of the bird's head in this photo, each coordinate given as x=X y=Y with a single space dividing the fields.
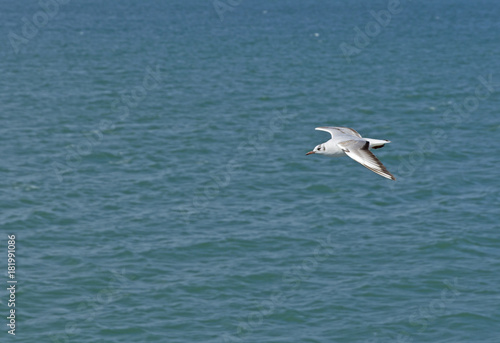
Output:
x=318 y=149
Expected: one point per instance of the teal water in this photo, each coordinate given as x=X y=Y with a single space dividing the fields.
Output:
x=154 y=171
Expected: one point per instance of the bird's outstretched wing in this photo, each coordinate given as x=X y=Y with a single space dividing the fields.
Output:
x=358 y=151
x=335 y=130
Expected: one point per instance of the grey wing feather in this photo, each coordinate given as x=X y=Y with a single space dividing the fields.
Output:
x=359 y=151
x=339 y=129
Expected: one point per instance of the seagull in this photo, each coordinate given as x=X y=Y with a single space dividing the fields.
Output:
x=347 y=141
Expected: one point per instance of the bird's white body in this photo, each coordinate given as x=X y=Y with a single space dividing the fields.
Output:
x=347 y=141
x=333 y=149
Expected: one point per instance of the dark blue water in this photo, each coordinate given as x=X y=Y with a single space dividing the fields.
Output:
x=154 y=171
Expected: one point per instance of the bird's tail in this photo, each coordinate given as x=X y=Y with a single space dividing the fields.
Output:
x=376 y=143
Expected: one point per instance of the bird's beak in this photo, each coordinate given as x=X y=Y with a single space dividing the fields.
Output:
x=310 y=152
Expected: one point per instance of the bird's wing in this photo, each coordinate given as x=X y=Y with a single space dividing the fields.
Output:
x=335 y=130
x=358 y=151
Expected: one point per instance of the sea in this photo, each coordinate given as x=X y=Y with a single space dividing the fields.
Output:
x=155 y=187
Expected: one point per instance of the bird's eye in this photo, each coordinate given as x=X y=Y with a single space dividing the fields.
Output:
x=318 y=148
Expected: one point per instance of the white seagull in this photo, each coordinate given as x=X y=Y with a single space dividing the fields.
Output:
x=347 y=141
